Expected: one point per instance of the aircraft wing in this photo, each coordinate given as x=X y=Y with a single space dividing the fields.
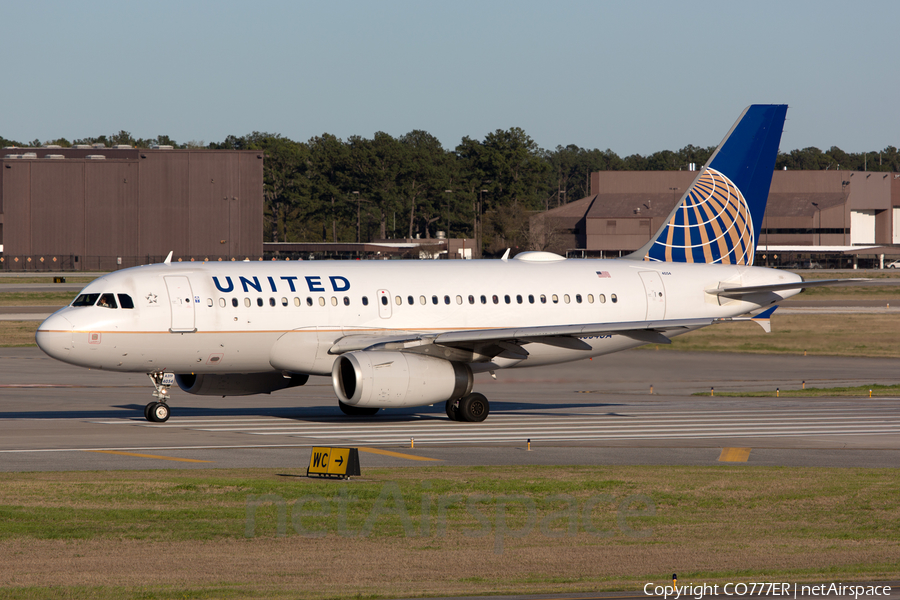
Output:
x=776 y=287
x=492 y=342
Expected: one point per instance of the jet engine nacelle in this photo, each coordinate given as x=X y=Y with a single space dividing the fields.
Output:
x=237 y=384
x=392 y=379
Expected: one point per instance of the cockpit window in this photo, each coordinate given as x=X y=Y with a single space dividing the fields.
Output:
x=108 y=301
x=125 y=301
x=86 y=300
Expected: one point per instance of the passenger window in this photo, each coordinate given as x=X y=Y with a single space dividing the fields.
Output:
x=365 y=300
x=614 y=298
x=296 y=301
x=506 y=298
x=271 y=301
x=543 y=299
x=471 y=299
x=86 y=300
x=422 y=300
x=578 y=298
x=446 y=299
x=434 y=300
x=410 y=300
x=602 y=298
x=222 y=302
x=459 y=299
x=495 y=299
x=590 y=298
x=398 y=300
x=259 y=302
x=384 y=301
x=234 y=302
x=483 y=299
x=309 y=301
x=321 y=301
x=346 y=300
x=108 y=301
x=555 y=299
x=566 y=298
x=247 y=302
x=530 y=298
x=284 y=302
x=519 y=298
x=208 y=301
x=126 y=302
x=333 y=301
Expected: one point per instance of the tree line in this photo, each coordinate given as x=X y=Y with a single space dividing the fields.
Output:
x=360 y=189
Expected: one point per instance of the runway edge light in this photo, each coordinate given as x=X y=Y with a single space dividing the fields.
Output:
x=333 y=462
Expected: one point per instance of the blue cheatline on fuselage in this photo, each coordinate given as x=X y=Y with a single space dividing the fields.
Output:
x=719 y=216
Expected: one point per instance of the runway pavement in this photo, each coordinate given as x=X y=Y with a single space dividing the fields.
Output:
x=57 y=417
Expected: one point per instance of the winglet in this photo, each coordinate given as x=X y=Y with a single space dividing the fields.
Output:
x=763 y=319
x=505 y=256
x=168 y=260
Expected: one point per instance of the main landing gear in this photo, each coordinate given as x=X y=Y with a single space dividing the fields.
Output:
x=473 y=408
x=158 y=411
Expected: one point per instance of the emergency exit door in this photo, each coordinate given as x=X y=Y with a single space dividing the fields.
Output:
x=181 y=304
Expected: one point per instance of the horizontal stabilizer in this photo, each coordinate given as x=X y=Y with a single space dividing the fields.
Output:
x=777 y=287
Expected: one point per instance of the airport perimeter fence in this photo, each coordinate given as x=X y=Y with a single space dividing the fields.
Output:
x=74 y=263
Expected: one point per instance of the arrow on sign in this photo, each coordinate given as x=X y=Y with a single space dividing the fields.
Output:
x=340 y=460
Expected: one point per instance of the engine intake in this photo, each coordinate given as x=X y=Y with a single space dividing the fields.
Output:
x=237 y=384
x=393 y=379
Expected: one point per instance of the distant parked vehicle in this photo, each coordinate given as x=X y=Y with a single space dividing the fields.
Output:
x=893 y=265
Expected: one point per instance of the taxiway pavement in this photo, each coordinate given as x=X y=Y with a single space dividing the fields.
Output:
x=58 y=417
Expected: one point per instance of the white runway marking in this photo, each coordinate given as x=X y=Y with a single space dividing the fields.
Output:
x=596 y=427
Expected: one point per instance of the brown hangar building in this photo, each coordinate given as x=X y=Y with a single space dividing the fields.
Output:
x=98 y=208
x=843 y=214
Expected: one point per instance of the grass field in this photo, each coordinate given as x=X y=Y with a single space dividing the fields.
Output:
x=819 y=335
x=18 y=334
x=46 y=279
x=860 y=391
x=439 y=530
x=36 y=298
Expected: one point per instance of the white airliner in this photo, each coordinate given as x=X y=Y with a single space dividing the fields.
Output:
x=412 y=333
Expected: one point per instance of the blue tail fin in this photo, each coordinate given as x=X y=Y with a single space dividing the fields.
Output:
x=720 y=215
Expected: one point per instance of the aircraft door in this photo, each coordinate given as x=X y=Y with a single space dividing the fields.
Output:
x=384 y=304
x=181 y=304
x=655 y=293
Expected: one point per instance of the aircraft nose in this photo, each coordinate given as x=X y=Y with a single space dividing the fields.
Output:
x=54 y=337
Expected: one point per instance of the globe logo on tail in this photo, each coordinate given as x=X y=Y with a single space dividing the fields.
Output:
x=711 y=225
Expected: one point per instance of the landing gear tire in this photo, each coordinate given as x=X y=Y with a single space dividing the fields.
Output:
x=157 y=412
x=357 y=411
x=474 y=408
x=452 y=411
x=147 y=410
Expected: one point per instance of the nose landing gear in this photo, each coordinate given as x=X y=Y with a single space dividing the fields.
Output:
x=158 y=411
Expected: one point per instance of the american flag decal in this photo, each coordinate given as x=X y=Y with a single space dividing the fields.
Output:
x=603 y=274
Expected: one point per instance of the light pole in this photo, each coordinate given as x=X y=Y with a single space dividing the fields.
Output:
x=819 y=226
x=447 y=219
x=478 y=223
x=357 y=217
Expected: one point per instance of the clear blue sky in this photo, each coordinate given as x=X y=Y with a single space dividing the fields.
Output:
x=630 y=76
